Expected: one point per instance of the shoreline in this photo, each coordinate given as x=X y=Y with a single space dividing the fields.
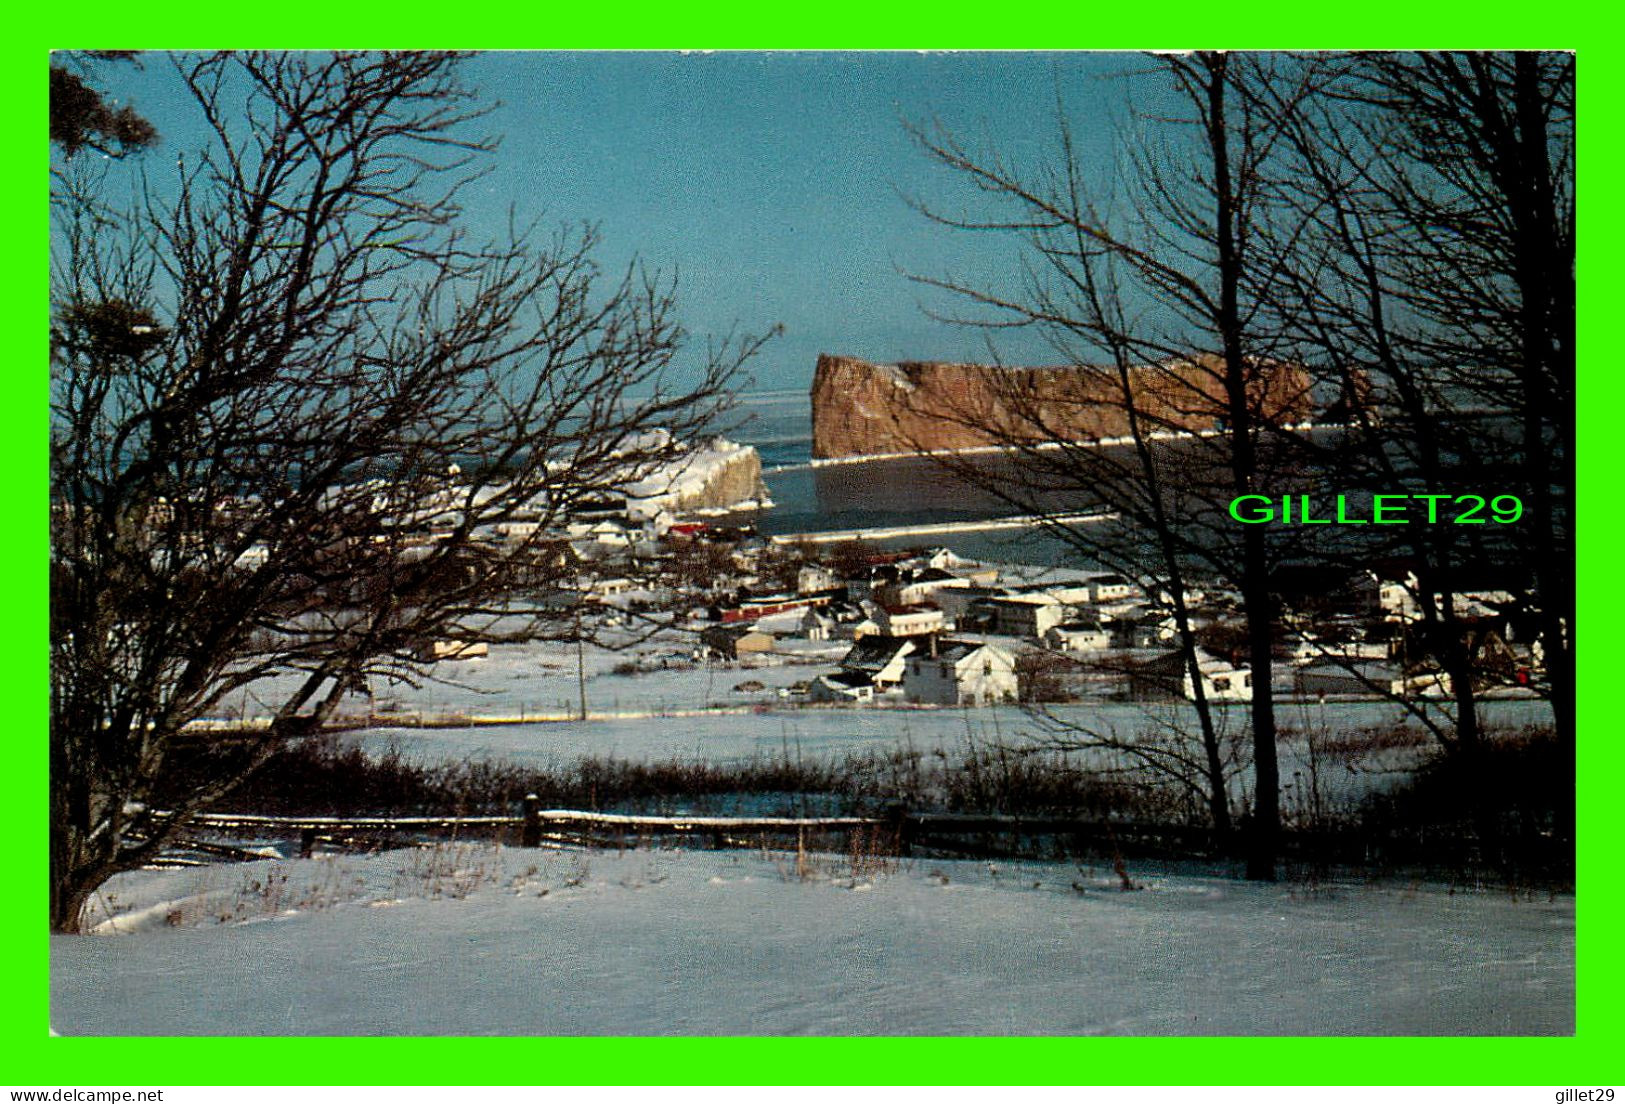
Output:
x=925 y=529
x=1041 y=446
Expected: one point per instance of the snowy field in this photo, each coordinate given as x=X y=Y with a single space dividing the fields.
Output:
x=745 y=732
x=473 y=939
x=470 y=939
x=542 y=680
x=690 y=710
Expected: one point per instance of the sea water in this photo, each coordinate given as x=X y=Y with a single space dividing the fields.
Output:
x=895 y=493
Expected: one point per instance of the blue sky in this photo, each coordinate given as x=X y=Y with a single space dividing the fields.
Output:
x=769 y=182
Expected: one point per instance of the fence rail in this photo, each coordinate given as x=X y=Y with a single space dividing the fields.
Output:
x=898 y=832
x=969 y=834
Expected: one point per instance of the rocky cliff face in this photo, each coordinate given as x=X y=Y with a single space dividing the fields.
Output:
x=733 y=479
x=716 y=476
x=864 y=409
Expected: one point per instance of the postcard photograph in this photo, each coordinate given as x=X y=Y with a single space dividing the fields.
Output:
x=812 y=544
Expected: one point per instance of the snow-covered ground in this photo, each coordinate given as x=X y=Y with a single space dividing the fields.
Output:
x=542 y=679
x=473 y=939
x=688 y=710
x=819 y=734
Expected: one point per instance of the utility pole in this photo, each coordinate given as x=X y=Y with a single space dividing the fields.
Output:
x=581 y=666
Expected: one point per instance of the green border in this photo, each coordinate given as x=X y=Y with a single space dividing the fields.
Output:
x=34 y=1058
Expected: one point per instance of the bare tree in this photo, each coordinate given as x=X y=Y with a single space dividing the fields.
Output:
x=1400 y=229
x=1153 y=292
x=1435 y=259
x=304 y=424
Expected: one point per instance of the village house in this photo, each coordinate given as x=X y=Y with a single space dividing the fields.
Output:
x=1142 y=629
x=919 y=587
x=680 y=531
x=957 y=602
x=1169 y=676
x=857 y=628
x=980 y=576
x=1083 y=635
x=754 y=607
x=1068 y=592
x=910 y=620
x=815 y=625
x=1399 y=602
x=736 y=642
x=1025 y=615
x=516 y=532
x=611 y=534
x=611 y=587
x=842 y=687
x=1312 y=647
x=814 y=578
x=961 y=672
x=436 y=650
x=1104 y=589
x=1363 y=679
x=881 y=658
x=935 y=559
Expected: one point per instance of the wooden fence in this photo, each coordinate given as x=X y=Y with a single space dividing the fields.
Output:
x=898 y=831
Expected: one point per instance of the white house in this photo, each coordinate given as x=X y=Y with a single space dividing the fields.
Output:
x=1168 y=674
x=815 y=625
x=937 y=559
x=881 y=658
x=1398 y=599
x=1379 y=677
x=910 y=620
x=1111 y=588
x=920 y=587
x=1143 y=629
x=610 y=587
x=841 y=687
x=857 y=630
x=605 y=532
x=1029 y=615
x=961 y=673
x=1221 y=680
x=1078 y=636
x=812 y=578
x=1311 y=649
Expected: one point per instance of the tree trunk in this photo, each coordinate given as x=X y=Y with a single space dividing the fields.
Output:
x=1263 y=838
x=69 y=895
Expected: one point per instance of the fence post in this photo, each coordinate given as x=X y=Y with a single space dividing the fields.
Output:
x=532 y=835
x=903 y=827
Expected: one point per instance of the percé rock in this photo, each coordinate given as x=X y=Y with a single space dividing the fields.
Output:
x=864 y=409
